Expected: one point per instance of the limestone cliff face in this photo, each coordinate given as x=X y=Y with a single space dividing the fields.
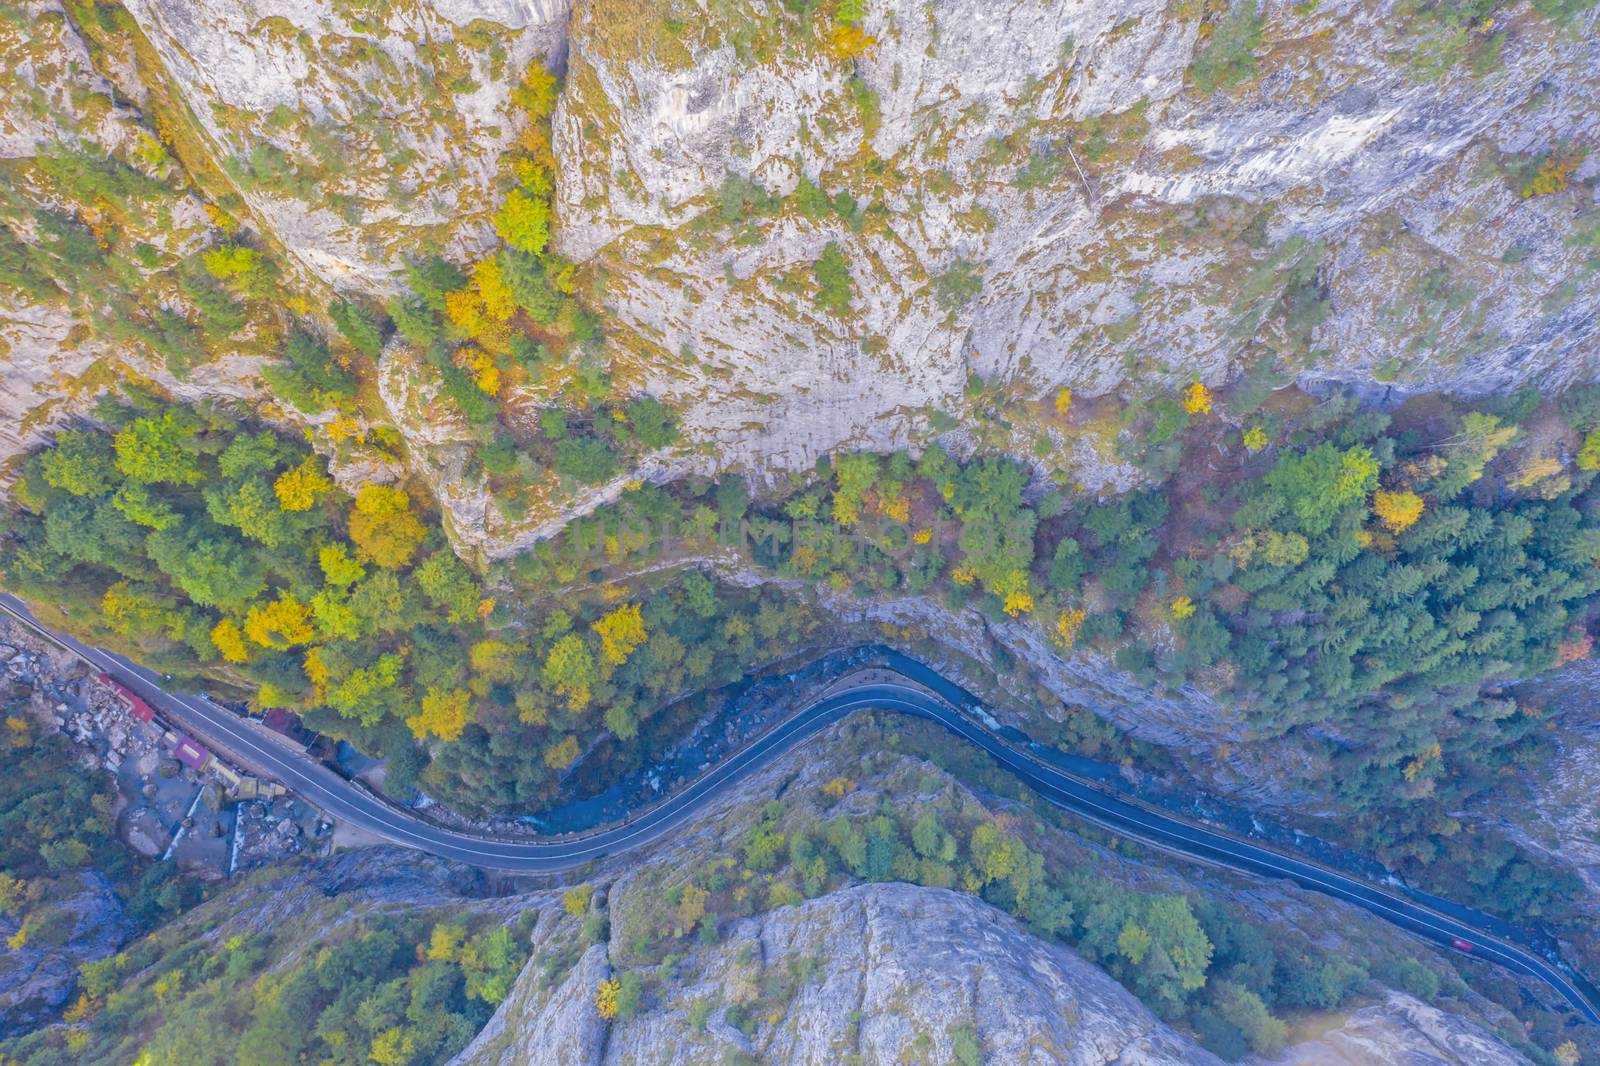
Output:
x=1129 y=231
x=1401 y=1030
x=60 y=101
x=1036 y=193
x=357 y=135
x=899 y=971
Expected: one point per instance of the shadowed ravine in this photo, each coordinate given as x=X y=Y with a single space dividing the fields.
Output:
x=907 y=690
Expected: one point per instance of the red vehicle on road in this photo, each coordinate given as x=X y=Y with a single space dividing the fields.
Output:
x=1460 y=945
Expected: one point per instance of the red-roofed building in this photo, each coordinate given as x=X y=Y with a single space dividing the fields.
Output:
x=136 y=707
x=289 y=724
x=280 y=720
x=191 y=753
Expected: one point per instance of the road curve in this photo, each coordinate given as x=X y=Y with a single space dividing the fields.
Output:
x=354 y=805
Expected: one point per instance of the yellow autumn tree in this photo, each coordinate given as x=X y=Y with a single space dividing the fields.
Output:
x=393 y=1047
x=498 y=303
x=298 y=488
x=1398 y=511
x=1552 y=175
x=1017 y=602
x=1269 y=546
x=570 y=669
x=493 y=660
x=561 y=755
x=605 y=998
x=129 y=610
x=537 y=93
x=1182 y=608
x=444 y=943
x=482 y=308
x=317 y=673
x=338 y=567
x=534 y=164
x=384 y=527
x=1255 y=438
x=1067 y=625
x=15 y=894
x=344 y=428
x=1197 y=399
x=524 y=222
x=1534 y=469
x=80 y=1010
x=444 y=715
x=168 y=987
x=1015 y=596
x=1589 y=454
x=534 y=169
x=1477 y=442
x=849 y=41
x=691 y=908
x=620 y=632
x=16 y=736
x=576 y=900
x=270 y=695
x=227 y=639
x=465 y=310
x=283 y=623
x=481 y=365
x=1063 y=400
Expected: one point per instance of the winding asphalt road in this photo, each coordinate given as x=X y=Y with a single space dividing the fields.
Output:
x=357 y=807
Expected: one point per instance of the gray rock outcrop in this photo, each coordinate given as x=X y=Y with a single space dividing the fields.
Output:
x=894 y=970
x=1036 y=194
x=897 y=973
x=37 y=979
x=1402 y=1030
